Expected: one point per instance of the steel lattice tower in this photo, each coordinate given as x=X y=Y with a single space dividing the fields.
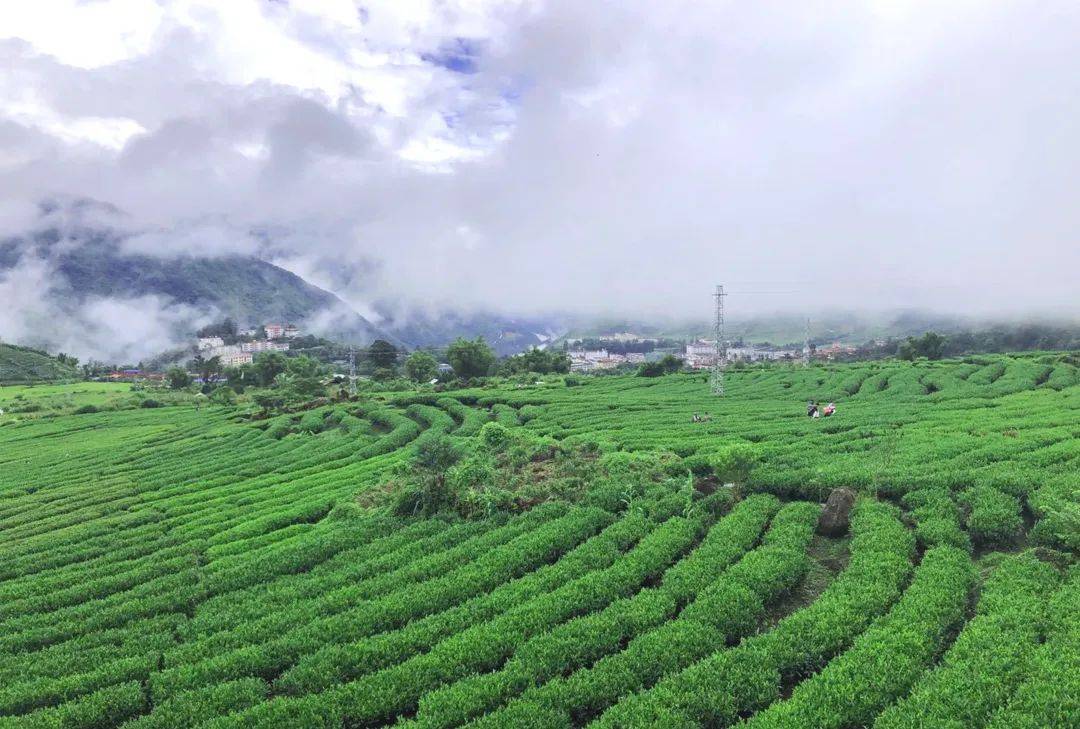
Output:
x=717 y=379
x=352 y=371
x=806 y=346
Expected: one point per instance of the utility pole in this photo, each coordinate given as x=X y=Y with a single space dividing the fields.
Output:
x=717 y=379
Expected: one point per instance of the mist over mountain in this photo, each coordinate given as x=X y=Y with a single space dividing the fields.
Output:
x=96 y=294
x=84 y=278
x=101 y=289
x=601 y=159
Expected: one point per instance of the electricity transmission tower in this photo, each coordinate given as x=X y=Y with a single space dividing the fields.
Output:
x=352 y=371
x=717 y=379
x=806 y=345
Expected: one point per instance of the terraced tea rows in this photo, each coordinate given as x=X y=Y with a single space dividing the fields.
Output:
x=178 y=568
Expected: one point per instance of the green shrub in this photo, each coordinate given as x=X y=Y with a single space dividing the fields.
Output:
x=733 y=464
x=495 y=435
x=223 y=396
x=279 y=429
x=993 y=517
x=311 y=422
x=529 y=412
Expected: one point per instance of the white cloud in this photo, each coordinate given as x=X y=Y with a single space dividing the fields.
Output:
x=108 y=329
x=198 y=238
x=17 y=216
x=84 y=34
x=618 y=156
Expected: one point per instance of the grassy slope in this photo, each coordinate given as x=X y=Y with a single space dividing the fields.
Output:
x=18 y=365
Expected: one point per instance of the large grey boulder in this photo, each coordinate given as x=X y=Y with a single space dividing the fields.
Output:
x=836 y=515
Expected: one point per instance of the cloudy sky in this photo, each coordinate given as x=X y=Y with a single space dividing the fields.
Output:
x=533 y=155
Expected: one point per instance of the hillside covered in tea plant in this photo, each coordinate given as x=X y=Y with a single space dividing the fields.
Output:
x=595 y=551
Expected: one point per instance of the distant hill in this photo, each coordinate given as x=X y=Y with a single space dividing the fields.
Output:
x=506 y=335
x=90 y=263
x=247 y=289
x=22 y=364
x=88 y=260
x=790 y=329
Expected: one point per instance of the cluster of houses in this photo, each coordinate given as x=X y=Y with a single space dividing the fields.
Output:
x=590 y=360
x=617 y=338
x=133 y=375
x=702 y=354
x=234 y=355
x=836 y=349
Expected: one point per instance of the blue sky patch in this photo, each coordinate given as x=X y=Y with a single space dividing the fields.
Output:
x=460 y=56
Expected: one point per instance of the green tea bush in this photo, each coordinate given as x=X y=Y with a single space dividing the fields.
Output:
x=311 y=422
x=210 y=568
x=495 y=435
x=989 y=657
x=993 y=517
x=937 y=518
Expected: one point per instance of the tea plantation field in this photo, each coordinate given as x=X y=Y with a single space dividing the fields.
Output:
x=174 y=567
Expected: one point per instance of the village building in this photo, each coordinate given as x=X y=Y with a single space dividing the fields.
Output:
x=625 y=338
x=700 y=354
x=235 y=359
x=210 y=342
x=598 y=359
x=225 y=350
x=753 y=354
x=261 y=345
x=833 y=350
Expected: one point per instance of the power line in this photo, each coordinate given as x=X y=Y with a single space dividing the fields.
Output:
x=765 y=293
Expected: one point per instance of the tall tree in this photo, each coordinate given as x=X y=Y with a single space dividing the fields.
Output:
x=421 y=366
x=269 y=365
x=178 y=378
x=470 y=358
x=206 y=367
x=210 y=368
x=382 y=354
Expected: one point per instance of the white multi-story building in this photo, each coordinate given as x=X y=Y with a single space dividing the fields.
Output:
x=273 y=331
x=752 y=354
x=625 y=337
x=210 y=342
x=700 y=354
x=264 y=345
x=223 y=351
x=589 y=355
x=235 y=359
x=597 y=359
